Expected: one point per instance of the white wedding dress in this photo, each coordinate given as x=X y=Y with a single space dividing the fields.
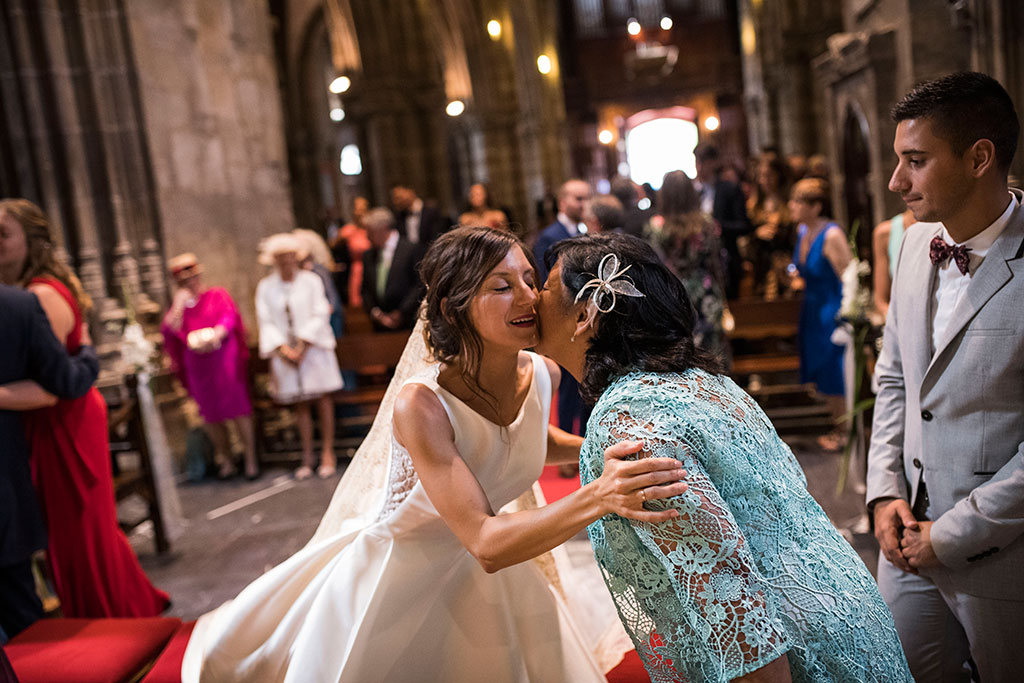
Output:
x=398 y=598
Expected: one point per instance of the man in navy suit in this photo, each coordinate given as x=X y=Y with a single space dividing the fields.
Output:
x=28 y=351
x=573 y=198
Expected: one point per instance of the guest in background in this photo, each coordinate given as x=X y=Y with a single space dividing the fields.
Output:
x=822 y=253
x=417 y=221
x=95 y=572
x=771 y=245
x=885 y=246
x=604 y=214
x=628 y=193
x=688 y=242
x=723 y=201
x=480 y=211
x=33 y=361
x=347 y=249
x=573 y=203
x=205 y=340
x=295 y=334
x=318 y=260
x=817 y=167
x=392 y=289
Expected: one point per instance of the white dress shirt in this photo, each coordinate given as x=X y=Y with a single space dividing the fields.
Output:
x=572 y=226
x=951 y=284
x=412 y=222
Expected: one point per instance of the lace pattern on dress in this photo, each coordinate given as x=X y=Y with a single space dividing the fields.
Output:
x=402 y=478
x=752 y=567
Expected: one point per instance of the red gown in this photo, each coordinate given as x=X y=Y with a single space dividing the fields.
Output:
x=95 y=571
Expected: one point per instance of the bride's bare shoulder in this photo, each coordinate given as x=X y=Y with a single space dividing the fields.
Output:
x=418 y=411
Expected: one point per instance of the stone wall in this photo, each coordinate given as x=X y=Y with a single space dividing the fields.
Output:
x=212 y=108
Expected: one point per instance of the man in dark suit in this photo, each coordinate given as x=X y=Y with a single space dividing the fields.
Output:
x=573 y=202
x=417 y=221
x=573 y=198
x=725 y=202
x=392 y=289
x=28 y=351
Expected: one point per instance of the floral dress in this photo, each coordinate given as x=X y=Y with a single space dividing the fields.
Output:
x=752 y=568
x=695 y=256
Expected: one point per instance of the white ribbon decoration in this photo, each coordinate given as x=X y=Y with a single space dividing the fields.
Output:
x=607 y=282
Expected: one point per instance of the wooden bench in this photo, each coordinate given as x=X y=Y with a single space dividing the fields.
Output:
x=127 y=433
x=367 y=358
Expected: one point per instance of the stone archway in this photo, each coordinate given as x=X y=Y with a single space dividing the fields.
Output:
x=856 y=172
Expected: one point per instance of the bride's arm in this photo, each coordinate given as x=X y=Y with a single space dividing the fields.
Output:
x=563 y=447
x=24 y=395
x=497 y=541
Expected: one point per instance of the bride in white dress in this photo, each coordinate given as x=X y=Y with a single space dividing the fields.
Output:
x=413 y=576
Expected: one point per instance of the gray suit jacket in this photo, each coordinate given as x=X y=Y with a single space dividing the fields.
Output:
x=956 y=419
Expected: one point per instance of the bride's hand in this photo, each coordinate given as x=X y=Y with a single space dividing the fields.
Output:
x=626 y=485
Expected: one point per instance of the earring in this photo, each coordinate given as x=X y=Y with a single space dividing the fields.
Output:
x=573 y=337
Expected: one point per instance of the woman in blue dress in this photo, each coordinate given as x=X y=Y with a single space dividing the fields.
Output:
x=751 y=582
x=822 y=253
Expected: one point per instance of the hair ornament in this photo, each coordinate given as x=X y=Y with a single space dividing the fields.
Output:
x=609 y=283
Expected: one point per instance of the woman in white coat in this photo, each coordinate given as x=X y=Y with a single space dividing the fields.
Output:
x=295 y=334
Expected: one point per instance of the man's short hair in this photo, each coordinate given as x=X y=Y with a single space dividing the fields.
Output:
x=379 y=216
x=705 y=151
x=607 y=209
x=564 y=189
x=965 y=107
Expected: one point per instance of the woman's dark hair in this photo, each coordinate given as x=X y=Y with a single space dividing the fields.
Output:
x=453 y=270
x=653 y=333
x=42 y=260
x=965 y=107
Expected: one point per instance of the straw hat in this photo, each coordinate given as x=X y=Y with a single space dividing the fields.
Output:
x=315 y=246
x=281 y=243
x=182 y=262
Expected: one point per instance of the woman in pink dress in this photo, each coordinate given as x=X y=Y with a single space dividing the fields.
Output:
x=205 y=339
x=353 y=234
x=95 y=572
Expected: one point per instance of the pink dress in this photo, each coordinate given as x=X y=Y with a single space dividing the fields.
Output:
x=358 y=244
x=216 y=380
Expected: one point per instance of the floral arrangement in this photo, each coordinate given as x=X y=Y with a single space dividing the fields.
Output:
x=136 y=350
x=856 y=304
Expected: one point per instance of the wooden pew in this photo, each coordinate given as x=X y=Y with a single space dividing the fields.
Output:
x=128 y=438
x=367 y=357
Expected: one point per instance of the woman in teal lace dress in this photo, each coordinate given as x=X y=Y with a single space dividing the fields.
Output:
x=751 y=582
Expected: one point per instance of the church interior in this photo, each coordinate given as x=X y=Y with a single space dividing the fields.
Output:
x=147 y=130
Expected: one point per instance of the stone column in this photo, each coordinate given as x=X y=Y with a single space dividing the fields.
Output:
x=111 y=75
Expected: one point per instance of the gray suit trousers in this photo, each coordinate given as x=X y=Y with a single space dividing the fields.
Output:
x=941 y=628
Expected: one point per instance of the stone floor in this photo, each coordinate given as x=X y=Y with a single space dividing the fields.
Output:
x=236 y=530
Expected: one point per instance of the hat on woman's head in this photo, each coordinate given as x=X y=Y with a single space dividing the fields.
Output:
x=315 y=246
x=281 y=243
x=182 y=262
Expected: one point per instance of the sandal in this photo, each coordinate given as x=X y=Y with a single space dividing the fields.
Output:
x=227 y=470
x=304 y=472
x=832 y=442
x=326 y=471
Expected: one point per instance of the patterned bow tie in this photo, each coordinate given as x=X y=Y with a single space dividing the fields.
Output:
x=940 y=252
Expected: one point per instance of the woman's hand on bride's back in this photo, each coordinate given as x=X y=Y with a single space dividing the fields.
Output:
x=625 y=485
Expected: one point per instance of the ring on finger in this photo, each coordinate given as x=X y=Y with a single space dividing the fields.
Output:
x=643 y=494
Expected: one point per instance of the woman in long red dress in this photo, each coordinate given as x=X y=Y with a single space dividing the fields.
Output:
x=95 y=572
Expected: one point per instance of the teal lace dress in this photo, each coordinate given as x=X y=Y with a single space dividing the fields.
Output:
x=752 y=568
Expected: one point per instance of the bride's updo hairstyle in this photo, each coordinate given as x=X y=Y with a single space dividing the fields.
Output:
x=652 y=333
x=453 y=270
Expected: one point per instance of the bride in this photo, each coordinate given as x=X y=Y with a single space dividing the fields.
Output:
x=413 y=574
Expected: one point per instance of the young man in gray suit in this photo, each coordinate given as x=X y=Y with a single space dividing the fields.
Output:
x=946 y=465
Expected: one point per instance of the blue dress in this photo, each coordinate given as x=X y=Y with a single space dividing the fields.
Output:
x=821 y=361
x=752 y=568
